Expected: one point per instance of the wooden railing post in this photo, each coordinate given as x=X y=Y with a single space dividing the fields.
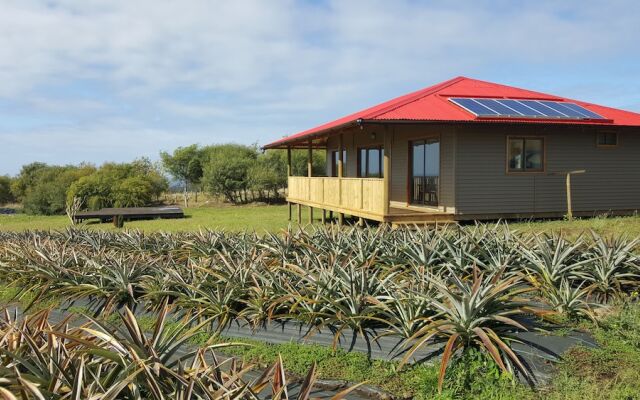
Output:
x=340 y=175
x=309 y=175
x=387 y=169
x=289 y=173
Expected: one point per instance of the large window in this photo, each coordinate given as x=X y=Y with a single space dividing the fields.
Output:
x=370 y=162
x=335 y=157
x=425 y=171
x=525 y=154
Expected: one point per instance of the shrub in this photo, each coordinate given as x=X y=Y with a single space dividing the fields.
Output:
x=120 y=185
x=5 y=190
x=47 y=191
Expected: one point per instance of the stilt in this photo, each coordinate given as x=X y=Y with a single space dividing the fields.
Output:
x=324 y=216
x=361 y=222
x=310 y=215
x=340 y=219
x=299 y=213
x=290 y=210
x=331 y=216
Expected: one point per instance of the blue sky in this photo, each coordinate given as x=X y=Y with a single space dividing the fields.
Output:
x=113 y=80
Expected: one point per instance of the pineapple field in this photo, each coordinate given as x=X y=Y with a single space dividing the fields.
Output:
x=467 y=291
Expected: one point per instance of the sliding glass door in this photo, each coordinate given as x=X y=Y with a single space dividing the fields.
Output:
x=425 y=172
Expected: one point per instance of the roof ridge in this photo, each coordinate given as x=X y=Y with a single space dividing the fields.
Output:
x=503 y=85
x=415 y=97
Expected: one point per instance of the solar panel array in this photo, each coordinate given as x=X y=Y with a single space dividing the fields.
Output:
x=509 y=108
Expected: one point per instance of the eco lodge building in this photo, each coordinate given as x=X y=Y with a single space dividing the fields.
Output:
x=466 y=149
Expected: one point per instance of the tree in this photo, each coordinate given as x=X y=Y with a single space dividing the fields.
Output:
x=268 y=175
x=299 y=159
x=185 y=165
x=133 y=184
x=135 y=191
x=226 y=170
x=25 y=179
x=46 y=192
x=5 y=191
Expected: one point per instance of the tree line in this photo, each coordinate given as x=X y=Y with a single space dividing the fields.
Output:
x=236 y=173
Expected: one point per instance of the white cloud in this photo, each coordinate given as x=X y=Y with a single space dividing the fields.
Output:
x=263 y=67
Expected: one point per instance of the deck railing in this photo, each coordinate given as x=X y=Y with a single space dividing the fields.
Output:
x=358 y=195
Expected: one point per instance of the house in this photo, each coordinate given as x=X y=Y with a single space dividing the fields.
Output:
x=467 y=149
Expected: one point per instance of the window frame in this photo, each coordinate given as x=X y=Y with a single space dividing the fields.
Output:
x=334 y=164
x=524 y=171
x=607 y=146
x=380 y=149
x=410 y=143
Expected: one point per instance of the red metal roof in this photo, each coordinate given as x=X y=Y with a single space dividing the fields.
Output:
x=431 y=104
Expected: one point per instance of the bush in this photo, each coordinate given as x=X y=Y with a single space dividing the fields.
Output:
x=132 y=184
x=241 y=174
x=226 y=171
x=5 y=191
x=46 y=192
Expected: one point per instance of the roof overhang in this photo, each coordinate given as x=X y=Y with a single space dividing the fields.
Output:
x=301 y=140
x=432 y=106
x=316 y=139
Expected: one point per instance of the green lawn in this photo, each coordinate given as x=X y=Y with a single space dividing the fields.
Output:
x=607 y=226
x=274 y=218
x=259 y=218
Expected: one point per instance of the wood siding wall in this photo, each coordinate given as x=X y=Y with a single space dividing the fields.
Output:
x=483 y=186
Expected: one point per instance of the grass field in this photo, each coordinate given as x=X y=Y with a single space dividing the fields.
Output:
x=238 y=218
x=273 y=218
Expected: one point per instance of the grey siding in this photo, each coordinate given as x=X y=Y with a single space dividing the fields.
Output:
x=402 y=136
x=483 y=186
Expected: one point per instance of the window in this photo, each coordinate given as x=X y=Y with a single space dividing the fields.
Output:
x=525 y=154
x=425 y=171
x=370 y=162
x=335 y=157
x=607 y=139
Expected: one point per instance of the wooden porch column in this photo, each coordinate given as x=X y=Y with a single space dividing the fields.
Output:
x=340 y=176
x=288 y=175
x=309 y=174
x=340 y=149
x=387 y=169
x=309 y=159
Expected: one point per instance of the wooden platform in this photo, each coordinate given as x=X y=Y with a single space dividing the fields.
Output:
x=131 y=213
x=404 y=216
x=395 y=216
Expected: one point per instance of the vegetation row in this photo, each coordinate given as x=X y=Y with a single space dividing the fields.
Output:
x=468 y=290
x=235 y=173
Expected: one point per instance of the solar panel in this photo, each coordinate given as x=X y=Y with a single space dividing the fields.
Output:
x=475 y=107
x=521 y=108
x=563 y=109
x=501 y=109
x=583 y=110
x=546 y=111
x=511 y=108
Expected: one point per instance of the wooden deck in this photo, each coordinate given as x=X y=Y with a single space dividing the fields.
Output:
x=131 y=213
x=358 y=197
x=403 y=216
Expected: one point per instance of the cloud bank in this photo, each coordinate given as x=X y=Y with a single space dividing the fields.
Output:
x=94 y=80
